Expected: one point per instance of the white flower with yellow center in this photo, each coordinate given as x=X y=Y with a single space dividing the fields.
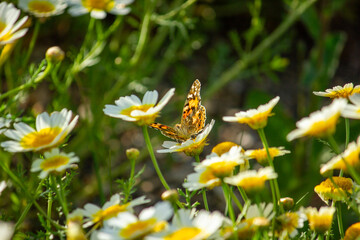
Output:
x=9 y=26
x=209 y=172
x=352 y=110
x=320 y=123
x=288 y=223
x=261 y=154
x=128 y=226
x=340 y=92
x=319 y=220
x=186 y=226
x=53 y=161
x=96 y=215
x=252 y=181
x=99 y=8
x=132 y=109
x=43 y=8
x=50 y=132
x=255 y=118
x=351 y=156
x=191 y=147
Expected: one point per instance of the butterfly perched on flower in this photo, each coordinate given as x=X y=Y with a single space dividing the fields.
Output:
x=192 y=119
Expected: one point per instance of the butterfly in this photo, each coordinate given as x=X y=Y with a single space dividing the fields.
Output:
x=192 y=119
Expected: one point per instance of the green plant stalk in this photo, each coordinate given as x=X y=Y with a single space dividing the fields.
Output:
x=203 y=191
x=49 y=210
x=112 y=28
x=37 y=78
x=232 y=72
x=175 y=11
x=339 y=218
x=28 y=207
x=132 y=173
x=236 y=200
x=333 y=144
x=32 y=42
x=152 y=156
x=273 y=182
x=243 y=194
x=227 y=197
x=59 y=193
x=347 y=132
x=143 y=32
x=28 y=195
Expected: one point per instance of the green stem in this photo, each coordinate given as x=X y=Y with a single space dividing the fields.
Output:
x=240 y=65
x=149 y=7
x=275 y=187
x=49 y=210
x=153 y=159
x=347 y=132
x=112 y=28
x=32 y=42
x=339 y=218
x=35 y=79
x=236 y=200
x=132 y=173
x=333 y=144
x=175 y=11
x=243 y=194
x=227 y=197
x=59 y=193
x=203 y=191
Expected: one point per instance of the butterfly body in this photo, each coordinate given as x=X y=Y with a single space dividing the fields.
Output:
x=192 y=120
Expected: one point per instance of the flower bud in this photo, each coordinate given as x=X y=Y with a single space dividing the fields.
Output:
x=55 y=54
x=287 y=203
x=132 y=154
x=170 y=195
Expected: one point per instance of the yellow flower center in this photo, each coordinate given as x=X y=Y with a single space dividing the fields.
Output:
x=223 y=147
x=261 y=155
x=141 y=120
x=253 y=184
x=105 y=5
x=54 y=162
x=143 y=108
x=322 y=128
x=342 y=93
x=7 y=35
x=353 y=232
x=109 y=212
x=223 y=169
x=207 y=176
x=139 y=229
x=41 y=6
x=42 y=138
x=2 y=26
x=258 y=120
x=320 y=223
x=185 y=233
x=326 y=190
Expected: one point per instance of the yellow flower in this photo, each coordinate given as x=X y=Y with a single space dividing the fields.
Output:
x=10 y=28
x=252 y=181
x=191 y=147
x=223 y=147
x=338 y=192
x=99 y=8
x=53 y=161
x=319 y=221
x=132 y=109
x=261 y=155
x=97 y=215
x=340 y=92
x=209 y=172
x=353 y=232
x=255 y=118
x=128 y=226
x=352 y=110
x=288 y=223
x=350 y=156
x=43 y=8
x=50 y=132
x=320 y=123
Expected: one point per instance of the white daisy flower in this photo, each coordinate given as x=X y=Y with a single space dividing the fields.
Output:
x=340 y=92
x=132 y=109
x=209 y=172
x=6 y=230
x=288 y=223
x=255 y=118
x=319 y=220
x=53 y=161
x=9 y=26
x=186 y=226
x=320 y=123
x=96 y=215
x=190 y=147
x=5 y=123
x=351 y=156
x=352 y=110
x=98 y=9
x=261 y=154
x=43 y=8
x=50 y=132
x=252 y=181
x=128 y=226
